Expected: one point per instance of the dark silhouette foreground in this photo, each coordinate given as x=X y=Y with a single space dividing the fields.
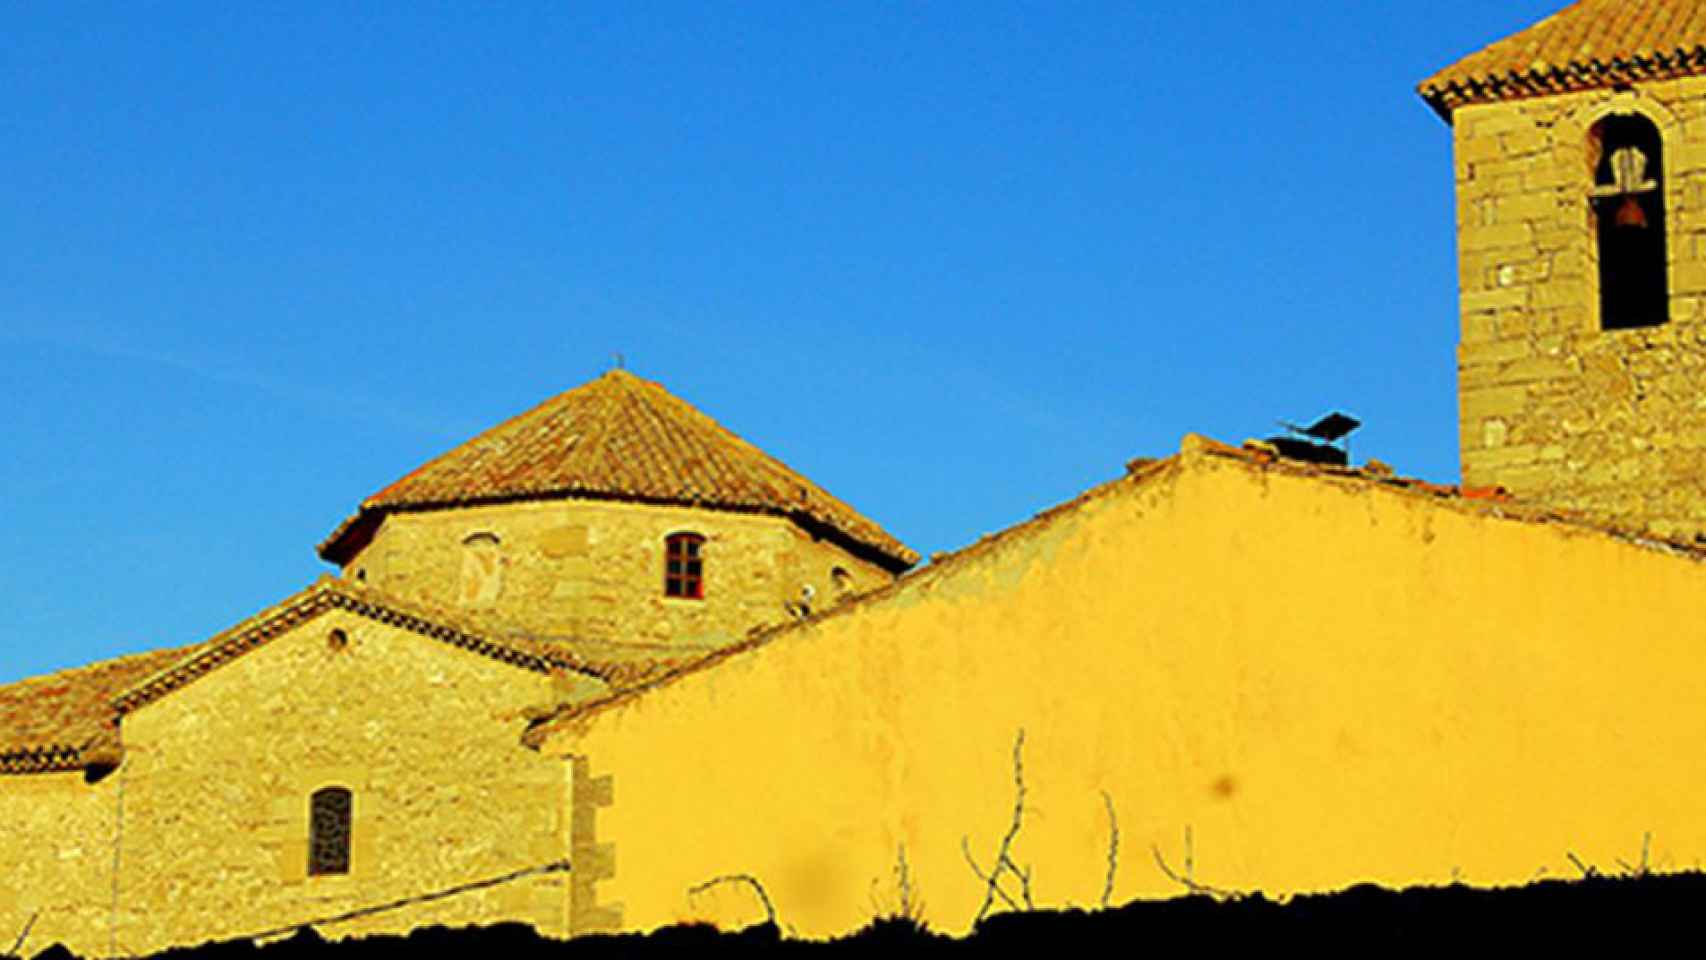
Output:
x=1360 y=918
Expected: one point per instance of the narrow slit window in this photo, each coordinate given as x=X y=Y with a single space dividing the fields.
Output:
x=684 y=566
x=1626 y=158
x=328 y=832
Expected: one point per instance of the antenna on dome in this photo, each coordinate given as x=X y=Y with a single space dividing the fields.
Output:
x=1315 y=443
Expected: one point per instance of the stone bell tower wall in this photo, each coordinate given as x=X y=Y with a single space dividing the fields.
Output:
x=1611 y=423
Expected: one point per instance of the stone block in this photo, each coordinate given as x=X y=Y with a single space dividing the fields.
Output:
x=1479 y=150
x=1493 y=402
x=1522 y=142
x=1493 y=352
x=1478 y=326
x=1473 y=300
x=596 y=791
x=1498 y=236
x=604 y=918
x=563 y=541
x=1502 y=457
x=1688 y=276
x=1532 y=369
x=1537 y=205
x=595 y=861
x=1487 y=120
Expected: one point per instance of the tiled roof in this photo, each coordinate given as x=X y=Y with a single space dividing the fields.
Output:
x=1589 y=44
x=619 y=437
x=330 y=593
x=52 y=722
x=1489 y=501
x=68 y=720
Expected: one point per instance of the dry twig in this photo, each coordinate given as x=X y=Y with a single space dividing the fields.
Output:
x=991 y=879
x=1113 y=848
x=18 y=945
x=1643 y=869
x=747 y=878
x=1024 y=876
x=1003 y=861
x=1188 y=881
x=908 y=906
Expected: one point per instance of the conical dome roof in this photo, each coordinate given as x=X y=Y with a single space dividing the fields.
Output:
x=619 y=437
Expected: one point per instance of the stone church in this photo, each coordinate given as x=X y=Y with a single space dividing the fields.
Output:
x=583 y=667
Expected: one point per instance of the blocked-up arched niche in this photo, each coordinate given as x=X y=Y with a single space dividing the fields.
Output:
x=1625 y=155
x=482 y=570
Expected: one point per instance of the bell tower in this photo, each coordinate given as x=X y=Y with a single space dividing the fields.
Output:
x=1581 y=237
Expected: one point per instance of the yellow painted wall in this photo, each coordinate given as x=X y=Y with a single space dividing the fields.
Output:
x=593 y=569
x=1327 y=680
x=1551 y=406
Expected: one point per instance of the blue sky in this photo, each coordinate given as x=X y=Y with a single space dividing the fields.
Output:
x=954 y=261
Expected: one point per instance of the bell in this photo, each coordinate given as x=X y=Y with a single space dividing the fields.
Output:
x=1630 y=214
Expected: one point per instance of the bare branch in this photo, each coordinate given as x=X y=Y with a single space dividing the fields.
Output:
x=908 y=904
x=991 y=879
x=911 y=905
x=1024 y=880
x=1002 y=860
x=1188 y=881
x=18 y=945
x=1190 y=857
x=747 y=878
x=910 y=909
x=1113 y=847
x=1644 y=868
x=1586 y=870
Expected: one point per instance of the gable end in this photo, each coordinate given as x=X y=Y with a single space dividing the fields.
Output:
x=306 y=606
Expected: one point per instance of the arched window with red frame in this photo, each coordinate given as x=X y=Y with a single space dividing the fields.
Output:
x=684 y=566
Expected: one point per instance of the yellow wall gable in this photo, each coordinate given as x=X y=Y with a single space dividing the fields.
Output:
x=1327 y=680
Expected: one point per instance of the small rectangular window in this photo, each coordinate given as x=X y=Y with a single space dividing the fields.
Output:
x=328 y=831
x=683 y=570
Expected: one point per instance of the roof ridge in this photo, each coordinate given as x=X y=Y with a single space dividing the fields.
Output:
x=515 y=420
x=1589 y=44
x=93 y=703
x=690 y=412
x=329 y=593
x=1494 y=502
x=56 y=719
x=619 y=436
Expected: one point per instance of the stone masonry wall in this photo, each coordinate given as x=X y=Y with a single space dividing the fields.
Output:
x=593 y=570
x=56 y=854
x=1609 y=423
x=218 y=774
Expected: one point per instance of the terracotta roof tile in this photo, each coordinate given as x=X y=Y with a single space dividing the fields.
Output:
x=50 y=722
x=68 y=720
x=329 y=593
x=1589 y=44
x=619 y=437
